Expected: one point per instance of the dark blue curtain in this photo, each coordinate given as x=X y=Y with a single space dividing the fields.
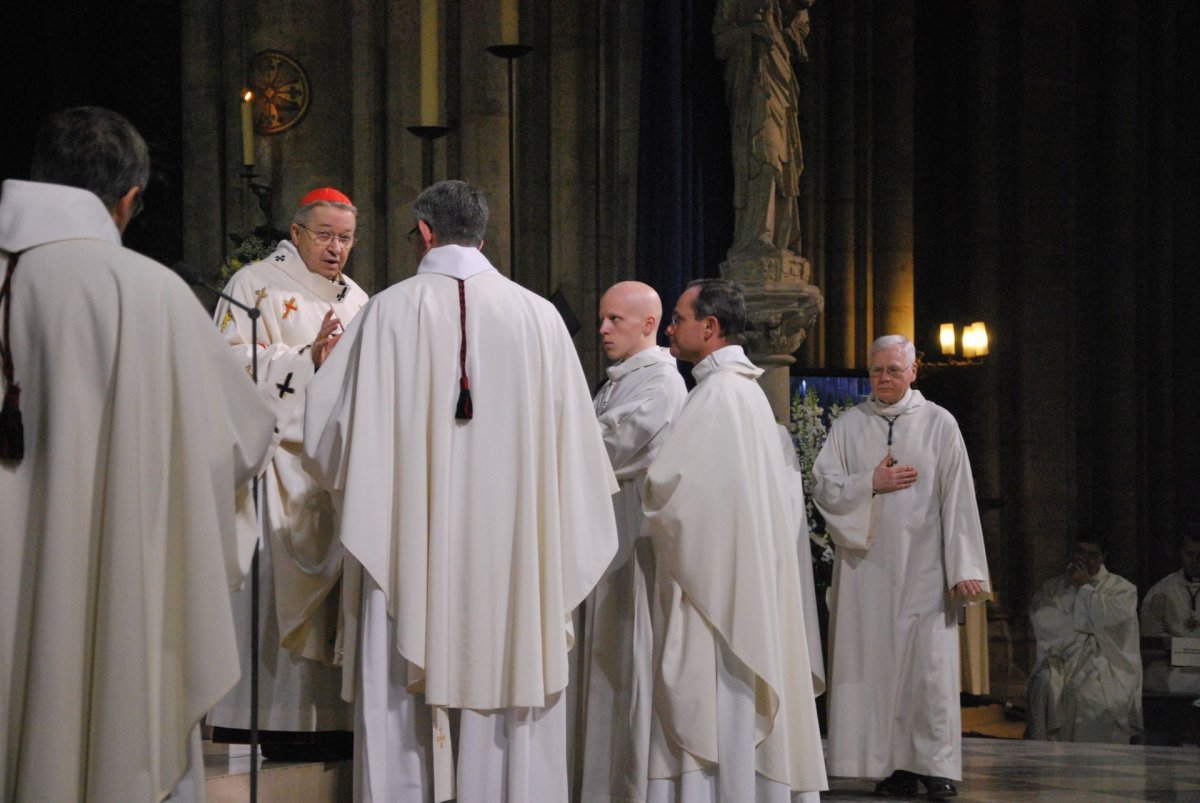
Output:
x=685 y=176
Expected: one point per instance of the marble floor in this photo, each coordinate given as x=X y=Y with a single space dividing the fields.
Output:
x=993 y=770
x=1012 y=770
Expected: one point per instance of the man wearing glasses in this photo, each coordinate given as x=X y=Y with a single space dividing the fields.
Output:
x=304 y=298
x=894 y=484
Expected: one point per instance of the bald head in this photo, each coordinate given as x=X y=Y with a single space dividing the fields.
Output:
x=629 y=316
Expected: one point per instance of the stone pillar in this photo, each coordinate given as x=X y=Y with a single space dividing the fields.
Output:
x=892 y=169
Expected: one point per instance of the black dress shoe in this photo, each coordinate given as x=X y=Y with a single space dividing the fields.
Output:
x=900 y=783
x=939 y=788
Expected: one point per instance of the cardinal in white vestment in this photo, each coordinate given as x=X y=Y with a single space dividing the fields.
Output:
x=734 y=713
x=304 y=297
x=1086 y=685
x=119 y=545
x=455 y=418
x=635 y=407
x=894 y=483
x=1172 y=609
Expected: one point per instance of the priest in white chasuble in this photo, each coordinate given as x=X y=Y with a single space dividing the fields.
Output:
x=127 y=429
x=894 y=483
x=1172 y=609
x=734 y=712
x=1086 y=685
x=304 y=298
x=635 y=408
x=455 y=420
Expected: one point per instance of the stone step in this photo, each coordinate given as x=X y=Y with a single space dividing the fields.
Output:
x=227 y=778
x=990 y=720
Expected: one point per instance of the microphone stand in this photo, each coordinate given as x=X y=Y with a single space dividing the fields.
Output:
x=188 y=275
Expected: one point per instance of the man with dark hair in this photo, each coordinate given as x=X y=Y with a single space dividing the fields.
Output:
x=734 y=716
x=1171 y=609
x=304 y=297
x=1086 y=684
x=455 y=421
x=127 y=430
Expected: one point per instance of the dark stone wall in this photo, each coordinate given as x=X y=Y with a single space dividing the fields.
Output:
x=125 y=56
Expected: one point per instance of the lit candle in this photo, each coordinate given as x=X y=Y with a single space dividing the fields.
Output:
x=508 y=23
x=969 y=342
x=247 y=130
x=946 y=336
x=429 y=62
x=981 y=339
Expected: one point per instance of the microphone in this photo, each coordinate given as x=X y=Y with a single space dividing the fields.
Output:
x=186 y=272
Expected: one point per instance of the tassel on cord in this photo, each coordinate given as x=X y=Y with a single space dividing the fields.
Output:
x=12 y=429
x=465 y=410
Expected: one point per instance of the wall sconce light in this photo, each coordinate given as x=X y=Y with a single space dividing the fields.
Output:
x=974 y=340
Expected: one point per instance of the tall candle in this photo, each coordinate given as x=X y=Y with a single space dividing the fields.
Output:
x=508 y=23
x=429 y=62
x=247 y=130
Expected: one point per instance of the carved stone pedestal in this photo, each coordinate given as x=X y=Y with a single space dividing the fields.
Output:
x=781 y=305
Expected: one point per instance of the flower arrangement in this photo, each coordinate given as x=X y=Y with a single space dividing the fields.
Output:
x=809 y=428
x=250 y=248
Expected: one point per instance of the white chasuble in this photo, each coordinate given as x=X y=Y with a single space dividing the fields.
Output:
x=635 y=408
x=894 y=653
x=119 y=540
x=729 y=614
x=483 y=535
x=301 y=558
x=1086 y=685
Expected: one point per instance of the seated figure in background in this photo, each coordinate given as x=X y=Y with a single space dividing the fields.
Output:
x=1086 y=685
x=1171 y=609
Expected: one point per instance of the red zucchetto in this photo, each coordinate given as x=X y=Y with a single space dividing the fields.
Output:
x=325 y=194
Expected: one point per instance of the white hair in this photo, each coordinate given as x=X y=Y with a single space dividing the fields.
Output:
x=894 y=341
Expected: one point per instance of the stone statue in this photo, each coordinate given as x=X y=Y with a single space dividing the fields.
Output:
x=758 y=40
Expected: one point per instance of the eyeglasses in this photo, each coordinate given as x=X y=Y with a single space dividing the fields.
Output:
x=894 y=371
x=327 y=237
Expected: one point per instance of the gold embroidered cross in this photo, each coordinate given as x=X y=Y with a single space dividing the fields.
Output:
x=289 y=307
x=441 y=738
x=259 y=296
x=228 y=319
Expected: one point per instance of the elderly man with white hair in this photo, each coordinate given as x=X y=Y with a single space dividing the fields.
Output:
x=894 y=483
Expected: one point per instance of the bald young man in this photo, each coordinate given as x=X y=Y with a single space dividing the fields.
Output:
x=635 y=408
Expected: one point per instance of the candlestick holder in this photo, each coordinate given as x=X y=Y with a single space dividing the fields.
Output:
x=510 y=53
x=428 y=133
x=261 y=191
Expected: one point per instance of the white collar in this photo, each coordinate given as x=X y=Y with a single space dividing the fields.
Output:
x=645 y=357
x=34 y=213
x=455 y=261
x=727 y=357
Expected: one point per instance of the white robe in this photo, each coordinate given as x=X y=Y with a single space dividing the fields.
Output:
x=635 y=408
x=894 y=653
x=1086 y=685
x=1171 y=608
x=119 y=545
x=300 y=561
x=482 y=535
x=734 y=714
